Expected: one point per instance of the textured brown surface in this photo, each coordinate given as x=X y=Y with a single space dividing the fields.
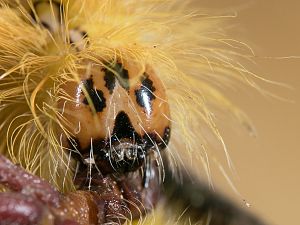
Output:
x=268 y=165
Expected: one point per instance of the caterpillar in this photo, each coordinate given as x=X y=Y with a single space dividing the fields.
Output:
x=103 y=106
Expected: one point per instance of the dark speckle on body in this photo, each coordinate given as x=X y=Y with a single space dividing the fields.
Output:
x=46 y=25
x=83 y=34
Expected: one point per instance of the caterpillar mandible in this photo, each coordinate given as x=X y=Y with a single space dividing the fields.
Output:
x=105 y=101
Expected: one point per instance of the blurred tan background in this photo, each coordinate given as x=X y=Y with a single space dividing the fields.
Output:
x=268 y=165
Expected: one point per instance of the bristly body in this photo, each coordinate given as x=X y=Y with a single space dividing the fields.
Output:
x=173 y=54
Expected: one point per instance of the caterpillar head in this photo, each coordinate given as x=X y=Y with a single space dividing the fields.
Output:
x=117 y=116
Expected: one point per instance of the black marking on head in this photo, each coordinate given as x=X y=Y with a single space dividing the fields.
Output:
x=145 y=95
x=96 y=96
x=110 y=81
x=116 y=70
x=123 y=127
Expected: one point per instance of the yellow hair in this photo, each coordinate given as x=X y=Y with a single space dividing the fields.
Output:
x=188 y=50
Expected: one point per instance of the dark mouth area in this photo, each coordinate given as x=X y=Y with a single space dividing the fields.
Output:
x=126 y=151
x=117 y=157
x=119 y=154
x=125 y=156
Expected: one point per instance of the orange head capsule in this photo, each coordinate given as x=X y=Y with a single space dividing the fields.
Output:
x=118 y=114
